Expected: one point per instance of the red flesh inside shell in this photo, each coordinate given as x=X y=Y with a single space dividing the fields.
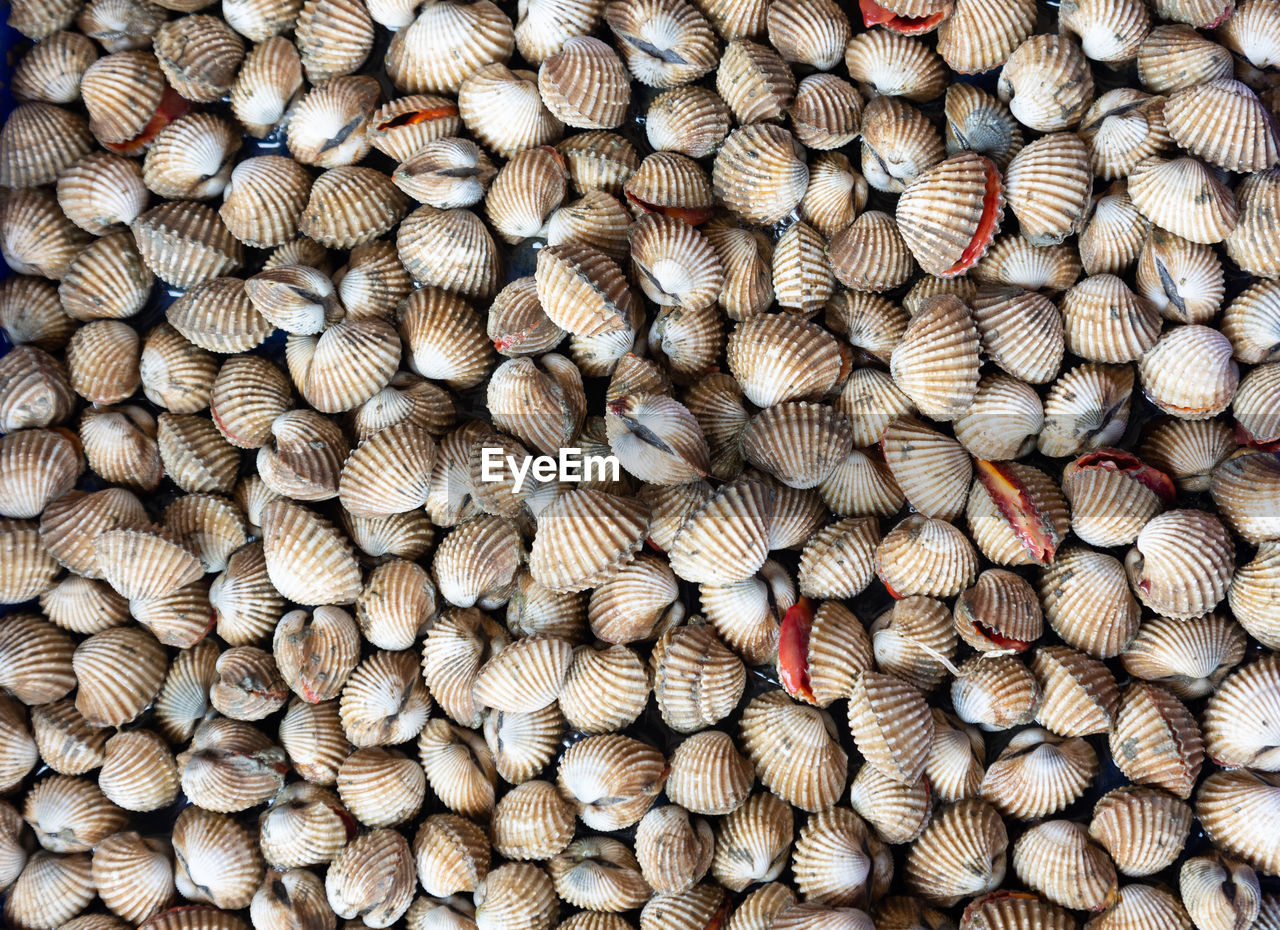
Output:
x=1129 y=464
x=873 y=14
x=998 y=639
x=415 y=117
x=172 y=106
x=1246 y=438
x=694 y=216
x=987 y=224
x=1034 y=529
x=793 y=649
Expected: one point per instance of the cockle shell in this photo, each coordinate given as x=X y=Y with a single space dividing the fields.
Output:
x=960 y=833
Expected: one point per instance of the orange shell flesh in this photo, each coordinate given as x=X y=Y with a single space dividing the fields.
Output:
x=1033 y=528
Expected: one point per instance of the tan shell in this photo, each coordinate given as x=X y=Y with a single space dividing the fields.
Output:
x=708 y=774
x=1167 y=749
x=1086 y=408
x=1175 y=56
x=882 y=711
x=760 y=174
x=585 y=85
x=767 y=376
x=35 y=390
x=826 y=113
x=1251 y=245
x=925 y=556
x=438 y=50
x=134 y=875
x=269 y=81
x=50 y=72
x=1047 y=83
x=1112 y=238
x=531 y=821
x=1108 y=32
x=373 y=877
x=185 y=244
x=944 y=214
x=504 y=111
x=809 y=769
x=980 y=34
x=1144 y=829
x=612 y=779
x=697 y=681
x=933 y=470
x=870 y=254
x=755 y=81
x=1093 y=332
x=995 y=692
x=1234 y=720
x=1180 y=564
x=138 y=771
x=1184 y=198
x=938 y=863
x=936 y=363
x=604 y=689
x=753 y=842
x=898 y=144
x=891 y=64
x=1048 y=185
x=1224 y=123
x=1080 y=695
x=1039 y=774
x=1203 y=381
x=1057 y=859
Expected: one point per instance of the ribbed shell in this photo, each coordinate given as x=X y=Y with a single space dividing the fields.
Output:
x=121 y=92
x=1155 y=740
x=1039 y=774
x=1047 y=186
x=960 y=854
x=949 y=214
x=133 y=875
x=697 y=680
x=119 y=672
x=760 y=173
x=726 y=539
x=891 y=725
x=612 y=779
x=351 y=205
x=372 y=877
x=933 y=470
x=185 y=244
x=1079 y=693
x=981 y=34
x=308 y=560
x=1181 y=563
x=38 y=141
x=808 y=769
x=708 y=774
x=35 y=389
x=604 y=689
x=779 y=357
x=138 y=771
x=1047 y=83
x=1144 y=829
x=585 y=84
x=445 y=44
x=1224 y=123
x=755 y=81
x=1182 y=196
x=870 y=254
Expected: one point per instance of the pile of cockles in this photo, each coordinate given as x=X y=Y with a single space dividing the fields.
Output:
x=641 y=465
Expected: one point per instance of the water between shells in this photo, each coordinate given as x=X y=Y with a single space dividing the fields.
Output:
x=935 y=344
